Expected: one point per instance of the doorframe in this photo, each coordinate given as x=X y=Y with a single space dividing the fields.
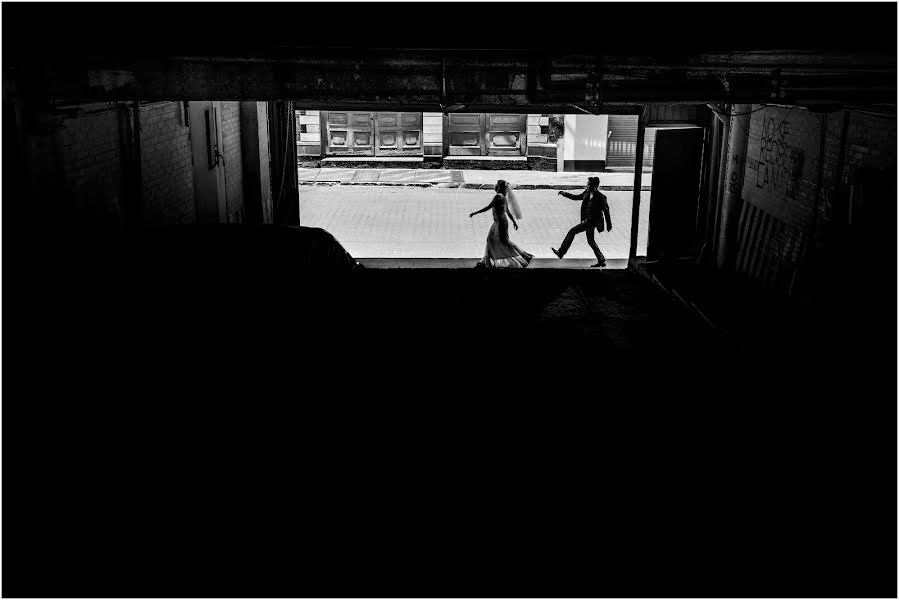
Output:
x=220 y=164
x=654 y=256
x=642 y=121
x=212 y=139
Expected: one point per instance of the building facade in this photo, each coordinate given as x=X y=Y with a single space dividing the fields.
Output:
x=547 y=142
x=331 y=134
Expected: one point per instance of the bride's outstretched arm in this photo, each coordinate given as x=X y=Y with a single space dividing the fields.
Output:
x=486 y=208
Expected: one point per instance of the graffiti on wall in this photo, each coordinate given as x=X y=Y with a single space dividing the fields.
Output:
x=735 y=185
x=779 y=163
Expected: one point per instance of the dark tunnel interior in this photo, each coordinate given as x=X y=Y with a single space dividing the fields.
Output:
x=206 y=397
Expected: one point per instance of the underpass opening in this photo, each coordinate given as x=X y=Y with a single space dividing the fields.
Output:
x=399 y=186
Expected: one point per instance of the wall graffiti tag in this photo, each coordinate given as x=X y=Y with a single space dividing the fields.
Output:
x=735 y=185
x=779 y=163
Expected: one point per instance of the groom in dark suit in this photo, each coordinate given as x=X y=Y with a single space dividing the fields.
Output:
x=594 y=214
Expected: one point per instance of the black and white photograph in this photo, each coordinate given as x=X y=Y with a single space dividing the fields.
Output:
x=449 y=300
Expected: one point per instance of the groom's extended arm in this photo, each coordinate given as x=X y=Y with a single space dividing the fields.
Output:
x=572 y=196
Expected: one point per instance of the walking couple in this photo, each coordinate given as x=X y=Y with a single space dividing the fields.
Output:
x=501 y=252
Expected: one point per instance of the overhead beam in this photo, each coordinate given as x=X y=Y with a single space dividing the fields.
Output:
x=501 y=82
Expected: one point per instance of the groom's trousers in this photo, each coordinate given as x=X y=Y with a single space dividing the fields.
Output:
x=583 y=226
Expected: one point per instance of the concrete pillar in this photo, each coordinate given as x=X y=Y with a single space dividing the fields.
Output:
x=720 y=180
x=732 y=200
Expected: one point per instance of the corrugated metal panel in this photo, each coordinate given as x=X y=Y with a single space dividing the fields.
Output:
x=756 y=259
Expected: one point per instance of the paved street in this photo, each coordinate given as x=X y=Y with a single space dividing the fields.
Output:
x=446 y=177
x=410 y=222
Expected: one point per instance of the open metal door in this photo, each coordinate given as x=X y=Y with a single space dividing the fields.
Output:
x=675 y=193
x=208 y=171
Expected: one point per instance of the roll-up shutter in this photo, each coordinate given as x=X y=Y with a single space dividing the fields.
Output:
x=621 y=151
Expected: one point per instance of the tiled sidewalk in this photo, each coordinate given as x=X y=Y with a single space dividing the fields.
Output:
x=407 y=222
x=464 y=178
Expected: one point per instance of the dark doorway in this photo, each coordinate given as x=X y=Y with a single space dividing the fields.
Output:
x=675 y=192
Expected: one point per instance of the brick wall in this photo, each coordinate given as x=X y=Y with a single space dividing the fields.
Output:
x=542 y=137
x=789 y=172
x=538 y=129
x=234 y=207
x=91 y=158
x=781 y=180
x=870 y=142
x=308 y=133
x=166 y=164
x=782 y=162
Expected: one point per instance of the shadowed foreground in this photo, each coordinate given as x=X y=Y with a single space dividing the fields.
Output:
x=237 y=423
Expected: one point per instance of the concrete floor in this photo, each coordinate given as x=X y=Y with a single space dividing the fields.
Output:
x=408 y=222
x=485 y=388
x=469 y=263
